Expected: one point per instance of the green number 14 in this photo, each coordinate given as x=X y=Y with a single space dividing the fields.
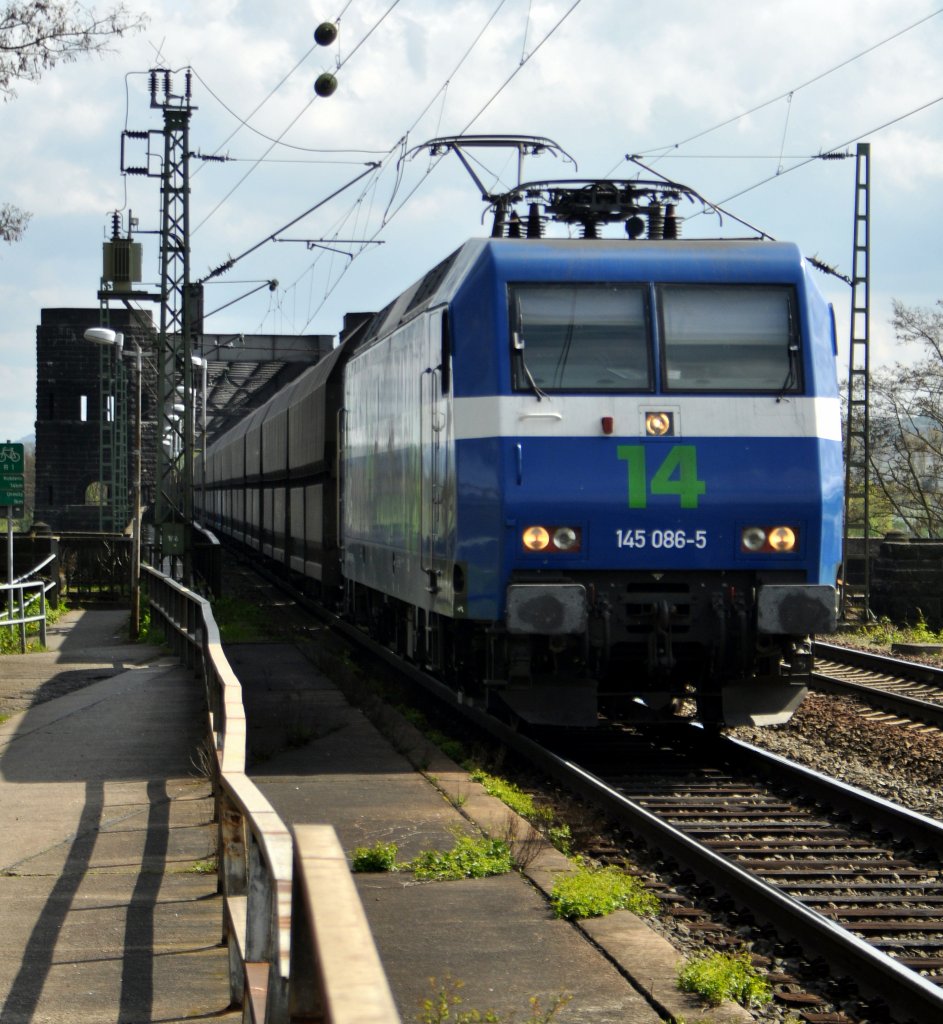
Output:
x=677 y=475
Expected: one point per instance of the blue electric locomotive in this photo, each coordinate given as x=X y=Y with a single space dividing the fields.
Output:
x=569 y=474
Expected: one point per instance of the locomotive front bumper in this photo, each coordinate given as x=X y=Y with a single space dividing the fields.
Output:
x=549 y=609
x=796 y=609
x=562 y=609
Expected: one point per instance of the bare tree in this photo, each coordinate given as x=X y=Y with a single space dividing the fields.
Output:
x=13 y=222
x=37 y=35
x=907 y=424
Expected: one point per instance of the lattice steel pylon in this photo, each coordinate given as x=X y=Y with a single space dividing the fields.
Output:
x=856 y=589
x=113 y=504
x=173 y=506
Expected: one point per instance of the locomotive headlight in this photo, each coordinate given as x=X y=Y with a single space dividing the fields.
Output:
x=657 y=424
x=536 y=538
x=565 y=538
x=753 y=538
x=782 y=538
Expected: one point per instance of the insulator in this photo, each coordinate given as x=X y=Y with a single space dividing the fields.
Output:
x=656 y=220
x=535 y=226
x=497 y=227
x=672 y=224
x=116 y=225
x=514 y=225
x=589 y=229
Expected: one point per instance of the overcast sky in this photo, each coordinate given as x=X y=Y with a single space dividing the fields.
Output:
x=602 y=78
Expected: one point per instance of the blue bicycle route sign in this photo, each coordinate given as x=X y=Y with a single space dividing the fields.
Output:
x=11 y=474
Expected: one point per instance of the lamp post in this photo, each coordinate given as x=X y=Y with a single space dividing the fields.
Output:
x=202 y=363
x=105 y=336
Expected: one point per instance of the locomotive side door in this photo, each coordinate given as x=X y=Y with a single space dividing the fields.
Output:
x=436 y=500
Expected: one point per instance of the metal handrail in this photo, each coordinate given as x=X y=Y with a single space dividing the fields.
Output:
x=16 y=592
x=36 y=569
x=269 y=880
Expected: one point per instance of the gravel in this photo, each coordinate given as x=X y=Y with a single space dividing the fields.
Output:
x=841 y=736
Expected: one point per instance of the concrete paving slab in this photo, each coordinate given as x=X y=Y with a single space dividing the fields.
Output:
x=497 y=936
x=83 y=647
x=105 y=817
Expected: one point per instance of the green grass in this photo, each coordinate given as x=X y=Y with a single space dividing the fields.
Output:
x=512 y=795
x=450 y=747
x=204 y=867
x=10 y=635
x=468 y=858
x=241 y=621
x=443 y=1007
x=379 y=857
x=884 y=633
x=718 y=976
x=595 y=892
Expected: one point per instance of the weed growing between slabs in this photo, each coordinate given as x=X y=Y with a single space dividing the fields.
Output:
x=595 y=892
x=379 y=857
x=443 y=1007
x=719 y=976
x=468 y=858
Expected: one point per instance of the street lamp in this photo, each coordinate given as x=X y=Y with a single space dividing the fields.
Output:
x=105 y=336
x=202 y=364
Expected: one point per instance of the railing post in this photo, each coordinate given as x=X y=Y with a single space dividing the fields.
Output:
x=42 y=612
x=22 y=619
x=262 y=932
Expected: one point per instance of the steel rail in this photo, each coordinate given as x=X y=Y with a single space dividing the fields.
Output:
x=906 y=991
x=902 y=988
x=901 y=704
x=913 y=671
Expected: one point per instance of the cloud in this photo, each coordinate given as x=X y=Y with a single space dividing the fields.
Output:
x=613 y=78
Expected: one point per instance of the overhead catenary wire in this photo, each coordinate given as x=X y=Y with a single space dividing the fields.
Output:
x=377 y=169
x=662 y=150
x=400 y=145
x=390 y=214
x=294 y=120
x=841 y=146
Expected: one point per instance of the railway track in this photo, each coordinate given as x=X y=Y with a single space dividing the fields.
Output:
x=854 y=879
x=910 y=690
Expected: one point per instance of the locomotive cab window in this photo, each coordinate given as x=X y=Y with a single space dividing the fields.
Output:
x=581 y=337
x=729 y=338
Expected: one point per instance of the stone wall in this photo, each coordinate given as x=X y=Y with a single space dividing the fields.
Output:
x=907 y=580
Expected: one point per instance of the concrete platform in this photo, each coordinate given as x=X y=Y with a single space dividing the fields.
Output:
x=106 y=916
x=319 y=761
x=106 y=825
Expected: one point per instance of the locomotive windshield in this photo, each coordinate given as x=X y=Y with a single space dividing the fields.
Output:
x=598 y=337
x=585 y=337
x=728 y=338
